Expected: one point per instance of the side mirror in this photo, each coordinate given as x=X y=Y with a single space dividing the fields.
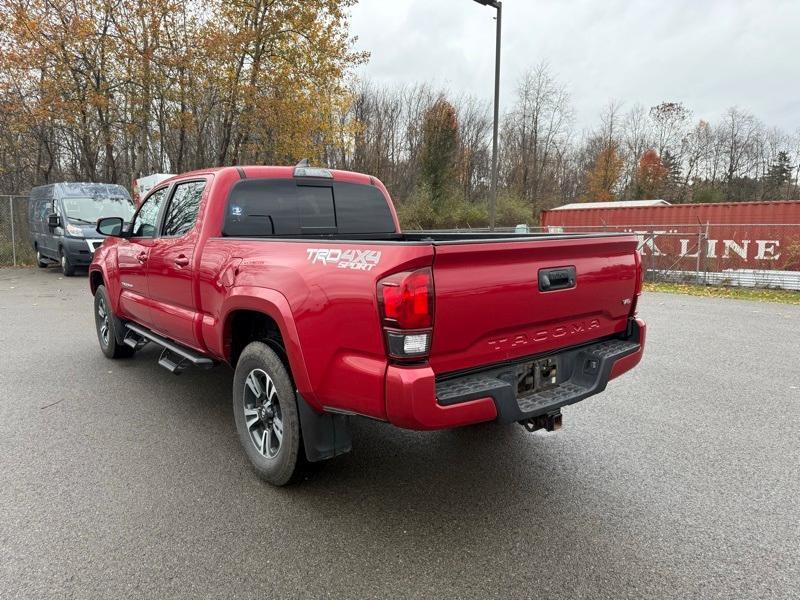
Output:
x=53 y=221
x=111 y=226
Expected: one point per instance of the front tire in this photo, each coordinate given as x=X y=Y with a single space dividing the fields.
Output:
x=67 y=268
x=105 y=323
x=265 y=411
x=41 y=262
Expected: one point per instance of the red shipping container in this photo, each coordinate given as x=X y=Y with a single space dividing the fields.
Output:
x=708 y=237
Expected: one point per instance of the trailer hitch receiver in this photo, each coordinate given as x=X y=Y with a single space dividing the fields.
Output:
x=548 y=422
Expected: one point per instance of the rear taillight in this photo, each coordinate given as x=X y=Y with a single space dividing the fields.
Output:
x=405 y=301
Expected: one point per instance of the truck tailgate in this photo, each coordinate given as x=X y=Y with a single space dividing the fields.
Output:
x=490 y=308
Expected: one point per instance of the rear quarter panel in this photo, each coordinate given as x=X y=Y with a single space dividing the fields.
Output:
x=338 y=357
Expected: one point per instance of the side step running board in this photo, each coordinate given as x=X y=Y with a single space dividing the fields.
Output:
x=174 y=357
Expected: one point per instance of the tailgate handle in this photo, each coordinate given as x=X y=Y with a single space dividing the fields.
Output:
x=557 y=278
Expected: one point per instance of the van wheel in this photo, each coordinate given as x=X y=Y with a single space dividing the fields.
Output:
x=67 y=268
x=265 y=411
x=40 y=262
x=105 y=324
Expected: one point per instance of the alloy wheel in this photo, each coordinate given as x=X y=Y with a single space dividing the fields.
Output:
x=102 y=321
x=262 y=413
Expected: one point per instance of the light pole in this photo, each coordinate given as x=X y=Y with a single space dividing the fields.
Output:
x=493 y=200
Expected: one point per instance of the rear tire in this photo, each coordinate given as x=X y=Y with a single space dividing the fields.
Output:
x=40 y=262
x=265 y=411
x=106 y=324
x=67 y=268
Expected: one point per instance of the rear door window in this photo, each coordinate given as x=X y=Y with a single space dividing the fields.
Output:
x=183 y=208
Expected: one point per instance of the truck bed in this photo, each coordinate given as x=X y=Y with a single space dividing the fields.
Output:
x=438 y=238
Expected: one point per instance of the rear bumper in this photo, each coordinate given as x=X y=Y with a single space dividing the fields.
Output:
x=416 y=400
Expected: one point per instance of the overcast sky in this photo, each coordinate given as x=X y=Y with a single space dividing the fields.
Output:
x=708 y=54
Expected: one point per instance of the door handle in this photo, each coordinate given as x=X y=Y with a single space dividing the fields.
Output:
x=142 y=257
x=182 y=261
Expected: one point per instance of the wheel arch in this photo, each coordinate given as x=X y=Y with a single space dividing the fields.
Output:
x=96 y=279
x=252 y=314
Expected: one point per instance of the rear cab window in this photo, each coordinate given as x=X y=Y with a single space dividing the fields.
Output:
x=290 y=207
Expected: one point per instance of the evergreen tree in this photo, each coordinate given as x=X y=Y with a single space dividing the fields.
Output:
x=778 y=175
x=673 y=181
x=439 y=153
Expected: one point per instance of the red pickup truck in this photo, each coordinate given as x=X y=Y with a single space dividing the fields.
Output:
x=301 y=280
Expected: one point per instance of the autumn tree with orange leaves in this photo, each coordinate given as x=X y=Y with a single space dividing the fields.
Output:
x=650 y=175
x=603 y=176
x=106 y=91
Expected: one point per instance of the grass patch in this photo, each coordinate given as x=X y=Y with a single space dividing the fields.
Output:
x=741 y=293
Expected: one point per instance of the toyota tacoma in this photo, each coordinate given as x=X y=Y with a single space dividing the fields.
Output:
x=301 y=280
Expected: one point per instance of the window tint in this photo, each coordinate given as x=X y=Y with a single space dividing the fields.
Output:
x=264 y=207
x=315 y=207
x=183 y=207
x=144 y=223
x=362 y=209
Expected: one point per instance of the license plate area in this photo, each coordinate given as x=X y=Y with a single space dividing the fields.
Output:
x=536 y=376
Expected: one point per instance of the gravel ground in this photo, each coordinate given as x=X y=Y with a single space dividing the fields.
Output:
x=118 y=479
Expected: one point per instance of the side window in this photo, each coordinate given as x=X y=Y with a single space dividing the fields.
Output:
x=145 y=221
x=182 y=209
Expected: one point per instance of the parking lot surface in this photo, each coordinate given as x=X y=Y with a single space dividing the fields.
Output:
x=119 y=479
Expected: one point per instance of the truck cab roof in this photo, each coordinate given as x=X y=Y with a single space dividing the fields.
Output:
x=277 y=172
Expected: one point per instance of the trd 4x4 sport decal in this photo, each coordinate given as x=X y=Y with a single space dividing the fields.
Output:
x=349 y=258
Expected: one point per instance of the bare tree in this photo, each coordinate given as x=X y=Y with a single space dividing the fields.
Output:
x=536 y=130
x=739 y=135
x=637 y=137
x=475 y=127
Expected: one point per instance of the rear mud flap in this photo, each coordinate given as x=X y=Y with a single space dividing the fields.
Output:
x=325 y=435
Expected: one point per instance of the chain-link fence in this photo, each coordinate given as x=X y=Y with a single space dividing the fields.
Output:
x=743 y=254
x=752 y=255
x=16 y=248
x=748 y=255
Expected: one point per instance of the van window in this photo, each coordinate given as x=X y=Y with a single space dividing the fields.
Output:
x=183 y=207
x=88 y=210
x=145 y=221
x=286 y=207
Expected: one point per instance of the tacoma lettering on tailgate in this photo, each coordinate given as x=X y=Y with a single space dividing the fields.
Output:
x=543 y=334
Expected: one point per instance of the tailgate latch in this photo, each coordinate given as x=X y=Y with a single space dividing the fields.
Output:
x=556 y=278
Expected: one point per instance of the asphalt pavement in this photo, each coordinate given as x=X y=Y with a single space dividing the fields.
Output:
x=681 y=480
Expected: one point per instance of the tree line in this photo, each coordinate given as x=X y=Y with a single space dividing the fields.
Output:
x=109 y=90
x=434 y=152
